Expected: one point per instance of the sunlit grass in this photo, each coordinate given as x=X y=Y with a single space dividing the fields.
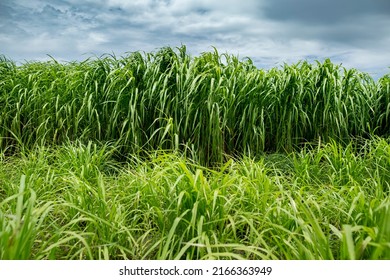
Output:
x=69 y=202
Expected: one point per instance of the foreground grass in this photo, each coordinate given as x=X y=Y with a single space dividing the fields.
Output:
x=77 y=202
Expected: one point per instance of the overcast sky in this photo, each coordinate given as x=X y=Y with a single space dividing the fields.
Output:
x=355 y=33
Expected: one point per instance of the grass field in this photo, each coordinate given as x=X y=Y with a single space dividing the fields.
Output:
x=166 y=156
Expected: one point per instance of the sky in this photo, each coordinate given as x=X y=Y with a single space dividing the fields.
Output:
x=354 y=33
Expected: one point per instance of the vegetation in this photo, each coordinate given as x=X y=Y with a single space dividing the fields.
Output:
x=164 y=156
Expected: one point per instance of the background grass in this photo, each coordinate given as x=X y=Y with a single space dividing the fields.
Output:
x=212 y=105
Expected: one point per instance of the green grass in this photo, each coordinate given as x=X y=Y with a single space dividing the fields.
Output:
x=167 y=156
x=76 y=202
x=211 y=105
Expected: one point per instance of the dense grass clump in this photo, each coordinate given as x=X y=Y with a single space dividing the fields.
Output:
x=212 y=105
x=166 y=156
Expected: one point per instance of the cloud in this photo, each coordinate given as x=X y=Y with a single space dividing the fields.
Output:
x=271 y=32
x=330 y=12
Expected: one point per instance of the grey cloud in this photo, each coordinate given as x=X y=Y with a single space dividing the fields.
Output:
x=324 y=12
x=268 y=31
x=5 y=11
x=349 y=24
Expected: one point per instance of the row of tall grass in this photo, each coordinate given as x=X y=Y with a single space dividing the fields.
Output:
x=75 y=202
x=211 y=105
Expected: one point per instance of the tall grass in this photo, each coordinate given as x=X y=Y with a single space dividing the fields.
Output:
x=167 y=156
x=213 y=105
